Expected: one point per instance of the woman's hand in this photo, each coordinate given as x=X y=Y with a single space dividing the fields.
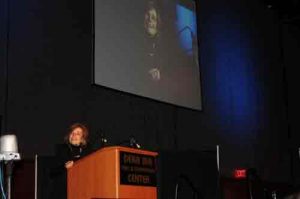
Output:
x=69 y=164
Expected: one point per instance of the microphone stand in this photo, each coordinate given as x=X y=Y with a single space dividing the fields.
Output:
x=9 y=170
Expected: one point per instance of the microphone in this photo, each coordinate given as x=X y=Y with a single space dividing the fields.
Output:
x=103 y=139
x=133 y=143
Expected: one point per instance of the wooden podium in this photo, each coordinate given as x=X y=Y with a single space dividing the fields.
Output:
x=114 y=172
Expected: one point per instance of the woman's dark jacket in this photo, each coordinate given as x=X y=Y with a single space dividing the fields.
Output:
x=63 y=154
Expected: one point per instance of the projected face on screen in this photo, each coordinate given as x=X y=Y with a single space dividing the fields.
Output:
x=151 y=20
x=152 y=23
x=148 y=48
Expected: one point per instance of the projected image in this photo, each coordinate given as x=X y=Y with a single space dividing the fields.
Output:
x=148 y=48
x=152 y=27
x=187 y=29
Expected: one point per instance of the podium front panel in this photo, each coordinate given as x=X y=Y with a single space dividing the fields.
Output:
x=98 y=175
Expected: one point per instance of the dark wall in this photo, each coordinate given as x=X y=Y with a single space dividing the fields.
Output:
x=49 y=86
x=3 y=38
x=291 y=52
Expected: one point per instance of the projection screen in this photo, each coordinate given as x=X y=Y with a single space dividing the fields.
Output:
x=148 y=48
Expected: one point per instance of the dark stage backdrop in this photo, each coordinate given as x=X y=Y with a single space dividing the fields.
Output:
x=290 y=30
x=49 y=86
x=3 y=38
x=194 y=173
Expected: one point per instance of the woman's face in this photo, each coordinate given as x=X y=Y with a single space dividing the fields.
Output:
x=75 y=136
x=151 y=22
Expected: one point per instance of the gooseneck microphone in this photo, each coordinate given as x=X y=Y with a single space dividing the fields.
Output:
x=133 y=143
x=103 y=139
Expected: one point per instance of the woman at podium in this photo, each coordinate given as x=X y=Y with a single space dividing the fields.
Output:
x=75 y=146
